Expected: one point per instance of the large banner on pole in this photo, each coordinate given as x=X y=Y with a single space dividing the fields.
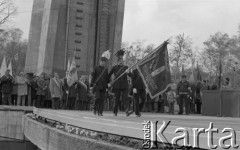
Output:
x=155 y=71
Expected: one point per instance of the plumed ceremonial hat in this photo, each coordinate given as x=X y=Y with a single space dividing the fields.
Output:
x=106 y=55
x=120 y=53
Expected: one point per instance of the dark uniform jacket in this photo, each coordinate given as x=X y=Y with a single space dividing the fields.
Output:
x=103 y=81
x=7 y=84
x=33 y=85
x=71 y=90
x=122 y=82
x=81 y=92
x=182 y=87
x=137 y=81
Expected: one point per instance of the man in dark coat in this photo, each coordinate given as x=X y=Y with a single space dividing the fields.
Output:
x=120 y=86
x=7 y=85
x=41 y=91
x=99 y=83
x=183 y=94
x=138 y=92
x=69 y=95
x=81 y=94
x=32 y=88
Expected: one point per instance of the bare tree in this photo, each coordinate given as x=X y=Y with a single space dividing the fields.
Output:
x=182 y=50
x=7 y=10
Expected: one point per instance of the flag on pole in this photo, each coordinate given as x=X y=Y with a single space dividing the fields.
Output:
x=72 y=75
x=10 y=67
x=155 y=71
x=3 y=66
x=183 y=71
x=192 y=79
x=68 y=65
x=199 y=77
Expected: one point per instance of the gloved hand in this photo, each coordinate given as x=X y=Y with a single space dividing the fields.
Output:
x=67 y=92
x=134 y=90
x=127 y=71
x=109 y=85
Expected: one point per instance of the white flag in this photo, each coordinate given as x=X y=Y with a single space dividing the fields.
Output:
x=3 y=66
x=72 y=77
x=10 y=67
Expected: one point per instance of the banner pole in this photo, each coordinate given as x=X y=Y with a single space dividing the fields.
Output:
x=166 y=42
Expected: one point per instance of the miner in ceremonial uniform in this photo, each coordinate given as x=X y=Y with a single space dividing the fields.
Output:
x=120 y=84
x=138 y=92
x=99 y=83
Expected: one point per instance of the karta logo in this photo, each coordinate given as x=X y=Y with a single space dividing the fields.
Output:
x=181 y=137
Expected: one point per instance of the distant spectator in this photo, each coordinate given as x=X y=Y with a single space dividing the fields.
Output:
x=21 y=82
x=205 y=86
x=213 y=85
x=56 y=91
x=183 y=95
x=7 y=85
x=41 y=91
x=33 y=89
x=171 y=98
x=226 y=85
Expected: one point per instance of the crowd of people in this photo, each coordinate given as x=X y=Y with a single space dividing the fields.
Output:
x=126 y=91
x=44 y=91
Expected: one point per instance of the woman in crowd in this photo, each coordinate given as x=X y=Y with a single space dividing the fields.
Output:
x=56 y=91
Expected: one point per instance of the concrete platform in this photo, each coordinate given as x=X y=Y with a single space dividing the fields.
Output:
x=132 y=126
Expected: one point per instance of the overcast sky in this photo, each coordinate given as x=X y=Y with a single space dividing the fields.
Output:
x=158 y=20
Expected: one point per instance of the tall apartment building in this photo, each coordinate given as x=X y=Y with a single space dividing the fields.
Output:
x=63 y=29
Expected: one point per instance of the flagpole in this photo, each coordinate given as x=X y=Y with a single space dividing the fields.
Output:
x=165 y=42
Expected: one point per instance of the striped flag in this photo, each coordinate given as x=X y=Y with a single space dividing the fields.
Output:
x=10 y=67
x=72 y=75
x=3 y=66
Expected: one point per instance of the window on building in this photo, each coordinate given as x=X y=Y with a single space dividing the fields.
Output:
x=78 y=41
x=78 y=33
x=78 y=25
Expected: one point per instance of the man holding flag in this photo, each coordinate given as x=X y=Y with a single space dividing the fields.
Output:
x=120 y=84
x=69 y=86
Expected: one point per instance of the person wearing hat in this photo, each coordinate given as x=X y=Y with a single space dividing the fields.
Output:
x=41 y=91
x=120 y=86
x=7 y=85
x=99 y=82
x=182 y=93
x=33 y=89
x=139 y=91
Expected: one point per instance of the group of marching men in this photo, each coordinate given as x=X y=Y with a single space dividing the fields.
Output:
x=186 y=94
x=44 y=91
x=52 y=92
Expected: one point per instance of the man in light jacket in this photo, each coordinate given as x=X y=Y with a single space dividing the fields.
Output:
x=56 y=91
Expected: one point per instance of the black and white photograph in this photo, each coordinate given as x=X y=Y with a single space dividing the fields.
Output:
x=119 y=74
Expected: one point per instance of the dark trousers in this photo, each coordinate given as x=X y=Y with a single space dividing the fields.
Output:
x=99 y=101
x=6 y=99
x=14 y=99
x=199 y=107
x=139 y=106
x=55 y=103
x=40 y=101
x=71 y=103
x=183 y=99
x=171 y=107
x=0 y=98
x=125 y=100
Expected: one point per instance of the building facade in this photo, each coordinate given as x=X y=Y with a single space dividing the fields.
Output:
x=63 y=29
